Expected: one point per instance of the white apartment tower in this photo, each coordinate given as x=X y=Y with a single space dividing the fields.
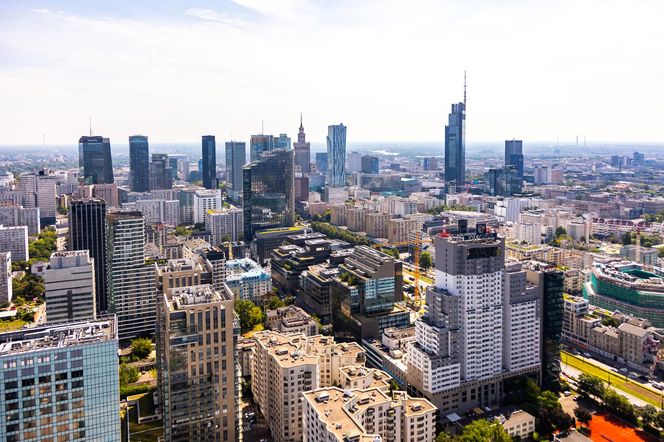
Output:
x=70 y=287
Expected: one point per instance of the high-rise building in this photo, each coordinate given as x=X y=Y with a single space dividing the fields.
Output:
x=139 y=163
x=60 y=382
x=38 y=189
x=203 y=201
x=15 y=240
x=455 y=145
x=321 y=162
x=14 y=216
x=542 y=175
x=87 y=231
x=503 y=181
x=260 y=144
x=369 y=285
x=283 y=141
x=481 y=324
x=235 y=159
x=514 y=156
x=302 y=151
x=161 y=176
x=94 y=160
x=370 y=164
x=209 y=163
x=268 y=194
x=336 y=155
x=131 y=282
x=69 y=282
x=197 y=365
x=224 y=225
x=354 y=162
x=6 y=292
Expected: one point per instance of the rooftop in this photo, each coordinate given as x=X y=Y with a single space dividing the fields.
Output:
x=182 y=297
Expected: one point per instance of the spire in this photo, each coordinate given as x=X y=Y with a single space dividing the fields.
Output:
x=301 y=127
x=464 y=89
x=90 y=118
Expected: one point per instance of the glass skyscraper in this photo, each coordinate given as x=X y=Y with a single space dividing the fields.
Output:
x=209 y=163
x=60 y=382
x=139 y=159
x=235 y=159
x=455 y=146
x=321 y=162
x=259 y=144
x=94 y=160
x=514 y=156
x=336 y=155
x=87 y=231
x=161 y=175
x=268 y=192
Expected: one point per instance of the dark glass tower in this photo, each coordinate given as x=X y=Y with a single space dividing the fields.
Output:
x=321 y=162
x=370 y=164
x=235 y=159
x=94 y=160
x=336 y=155
x=161 y=176
x=268 y=192
x=139 y=160
x=87 y=231
x=209 y=171
x=455 y=144
x=259 y=144
x=514 y=156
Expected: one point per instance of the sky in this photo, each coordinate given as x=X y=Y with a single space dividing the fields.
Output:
x=389 y=70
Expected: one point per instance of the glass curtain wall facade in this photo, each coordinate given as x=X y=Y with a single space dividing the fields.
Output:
x=139 y=163
x=209 y=162
x=336 y=155
x=94 y=160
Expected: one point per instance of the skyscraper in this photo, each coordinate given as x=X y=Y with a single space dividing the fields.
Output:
x=209 y=172
x=94 y=160
x=268 y=192
x=70 y=287
x=514 y=156
x=370 y=164
x=455 y=145
x=139 y=160
x=131 y=282
x=197 y=367
x=321 y=162
x=302 y=151
x=161 y=176
x=283 y=141
x=87 y=231
x=336 y=155
x=260 y=144
x=235 y=159
x=354 y=162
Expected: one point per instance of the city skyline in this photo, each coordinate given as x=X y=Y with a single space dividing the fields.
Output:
x=504 y=105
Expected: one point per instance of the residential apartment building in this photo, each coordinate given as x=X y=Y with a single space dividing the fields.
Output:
x=203 y=201
x=226 y=224
x=247 y=280
x=15 y=240
x=14 y=216
x=291 y=319
x=197 y=366
x=6 y=292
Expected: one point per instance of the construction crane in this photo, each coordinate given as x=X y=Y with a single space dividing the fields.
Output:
x=417 y=250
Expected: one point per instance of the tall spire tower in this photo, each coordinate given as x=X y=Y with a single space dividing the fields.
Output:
x=455 y=145
x=302 y=151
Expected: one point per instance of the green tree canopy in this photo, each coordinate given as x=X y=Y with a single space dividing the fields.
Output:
x=275 y=302
x=483 y=430
x=591 y=385
x=128 y=374
x=560 y=231
x=582 y=414
x=425 y=260
x=250 y=315
x=141 y=347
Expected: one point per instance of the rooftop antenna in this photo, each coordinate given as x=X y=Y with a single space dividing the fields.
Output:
x=44 y=139
x=464 y=89
x=262 y=128
x=300 y=119
x=90 y=118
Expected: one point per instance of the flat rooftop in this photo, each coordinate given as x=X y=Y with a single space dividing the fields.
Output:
x=180 y=298
x=57 y=336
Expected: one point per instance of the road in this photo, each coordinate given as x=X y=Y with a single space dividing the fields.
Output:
x=639 y=393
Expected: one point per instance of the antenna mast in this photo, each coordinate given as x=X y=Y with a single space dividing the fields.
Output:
x=90 y=118
x=464 y=89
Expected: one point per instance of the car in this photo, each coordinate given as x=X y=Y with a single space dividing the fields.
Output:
x=262 y=439
x=575 y=398
x=249 y=414
x=567 y=393
x=623 y=370
x=586 y=354
x=615 y=370
x=658 y=386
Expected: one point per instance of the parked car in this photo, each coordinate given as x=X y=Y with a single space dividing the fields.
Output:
x=567 y=393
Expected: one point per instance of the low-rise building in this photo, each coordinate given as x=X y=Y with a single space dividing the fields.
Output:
x=247 y=280
x=291 y=319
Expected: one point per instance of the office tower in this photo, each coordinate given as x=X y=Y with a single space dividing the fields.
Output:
x=69 y=282
x=321 y=162
x=87 y=231
x=161 y=175
x=14 y=216
x=354 y=162
x=430 y=163
x=61 y=382
x=139 y=163
x=15 y=240
x=455 y=145
x=179 y=166
x=203 y=201
x=370 y=164
x=39 y=190
x=235 y=159
x=503 y=181
x=268 y=196
x=542 y=175
x=514 y=156
x=6 y=292
x=302 y=151
x=197 y=368
x=94 y=160
x=336 y=155
x=550 y=282
x=209 y=162
x=224 y=225
x=472 y=335
x=283 y=141
x=260 y=144
x=369 y=285
x=131 y=282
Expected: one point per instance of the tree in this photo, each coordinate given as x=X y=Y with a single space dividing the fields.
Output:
x=141 y=347
x=182 y=231
x=483 y=430
x=582 y=414
x=648 y=415
x=627 y=239
x=275 y=302
x=394 y=386
x=28 y=287
x=45 y=244
x=444 y=437
x=425 y=260
x=128 y=374
x=250 y=315
x=591 y=385
x=560 y=231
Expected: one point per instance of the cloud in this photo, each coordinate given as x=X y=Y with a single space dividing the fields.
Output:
x=294 y=10
x=212 y=15
x=41 y=10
